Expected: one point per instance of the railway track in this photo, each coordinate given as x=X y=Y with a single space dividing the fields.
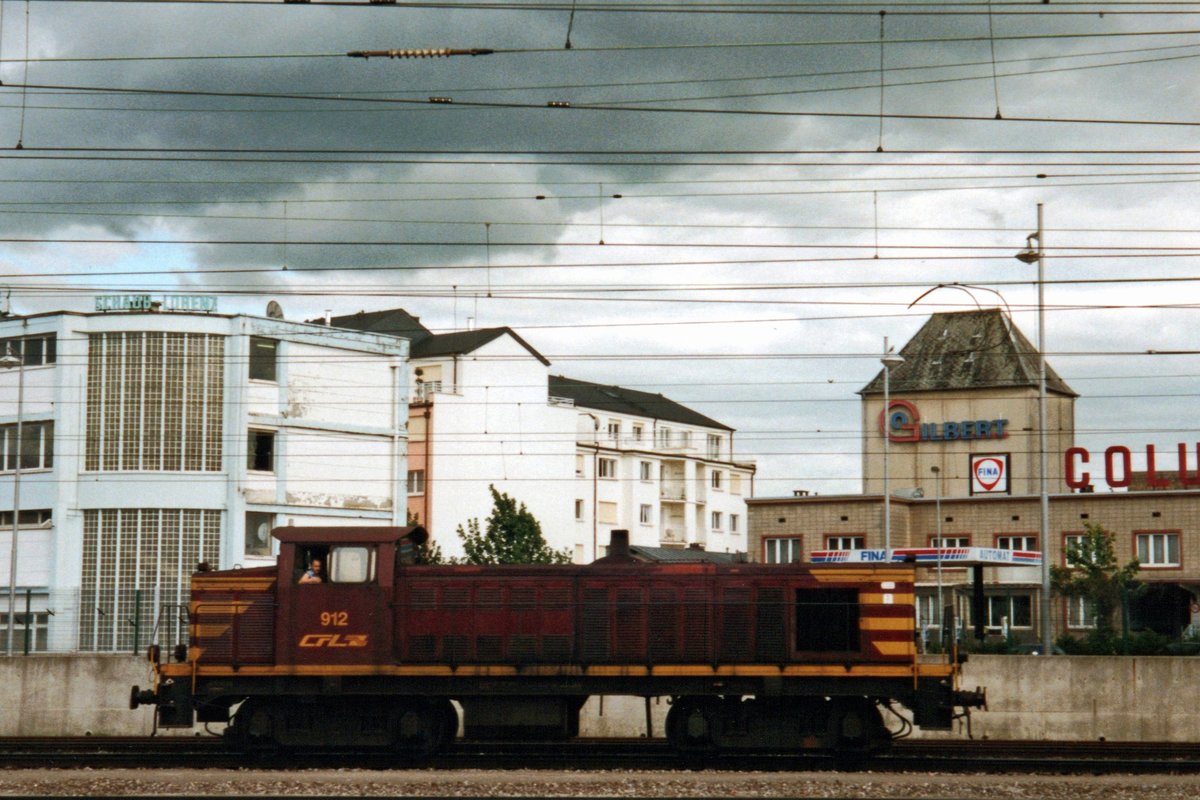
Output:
x=164 y=752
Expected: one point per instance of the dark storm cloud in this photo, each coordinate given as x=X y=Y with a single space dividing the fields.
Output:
x=375 y=212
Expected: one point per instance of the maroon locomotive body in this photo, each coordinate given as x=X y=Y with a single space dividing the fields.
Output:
x=382 y=652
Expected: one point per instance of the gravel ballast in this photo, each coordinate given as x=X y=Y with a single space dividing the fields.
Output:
x=539 y=783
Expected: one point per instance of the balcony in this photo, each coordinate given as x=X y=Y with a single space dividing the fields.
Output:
x=671 y=492
x=424 y=391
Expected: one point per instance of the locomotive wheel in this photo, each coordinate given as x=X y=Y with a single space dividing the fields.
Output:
x=855 y=730
x=693 y=725
x=423 y=727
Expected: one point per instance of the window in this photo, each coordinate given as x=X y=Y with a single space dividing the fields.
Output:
x=733 y=523
x=140 y=553
x=685 y=438
x=664 y=437
x=781 y=549
x=951 y=541
x=614 y=430
x=578 y=466
x=155 y=402
x=258 y=533
x=416 y=481
x=735 y=483
x=1016 y=542
x=607 y=468
x=637 y=433
x=352 y=565
x=926 y=610
x=716 y=520
x=29 y=518
x=260 y=453
x=714 y=479
x=646 y=514
x=38 y=630
x=263 y=354
x=606 y=513
x=37 y=446
x=1017 y=609
x=646 y=470
x=1158 y=549
x=827 y=619
x=714 y=446
x=578 y=509
x=1079 y=613
x=35 y=351
x=845 y=542
x=1071 y=541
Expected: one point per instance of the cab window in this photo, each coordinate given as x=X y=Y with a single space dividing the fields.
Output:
x=352 y=564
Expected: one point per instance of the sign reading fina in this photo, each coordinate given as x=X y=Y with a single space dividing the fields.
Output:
x=901 y=422
x=145 y=302
x=989 y=473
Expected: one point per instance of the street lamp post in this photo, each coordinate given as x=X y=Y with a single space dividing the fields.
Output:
x=8 y=361
x=889 y=360
x=937 y=478
x=1030 y=256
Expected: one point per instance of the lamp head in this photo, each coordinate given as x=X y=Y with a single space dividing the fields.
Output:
x=891 y=360
x=1030 y=254
x=10 y=360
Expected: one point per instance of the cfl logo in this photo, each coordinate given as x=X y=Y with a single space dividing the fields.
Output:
x=334 y=640
x=900 y=422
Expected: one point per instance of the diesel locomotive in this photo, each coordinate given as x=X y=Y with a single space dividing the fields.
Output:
x=383 y=653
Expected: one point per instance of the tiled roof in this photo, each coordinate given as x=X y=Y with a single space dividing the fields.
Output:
x=425 y=343
x=684 y=554
x=967 y=350
x=619 y=400
x=394 y=321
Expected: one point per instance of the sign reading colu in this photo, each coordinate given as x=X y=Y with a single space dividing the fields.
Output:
x=1118 y=468
x=901 y=422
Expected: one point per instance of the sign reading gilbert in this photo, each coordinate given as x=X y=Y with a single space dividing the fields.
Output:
x=901 y=422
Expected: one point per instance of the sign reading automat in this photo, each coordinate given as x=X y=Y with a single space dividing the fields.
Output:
x=145 y=302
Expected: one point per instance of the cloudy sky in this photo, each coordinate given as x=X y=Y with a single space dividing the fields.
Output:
x=730 y=211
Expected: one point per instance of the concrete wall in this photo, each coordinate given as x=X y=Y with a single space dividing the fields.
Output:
x=72 y=695
x=1029 y=697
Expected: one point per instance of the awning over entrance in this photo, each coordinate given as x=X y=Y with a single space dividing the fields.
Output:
x=958 y=556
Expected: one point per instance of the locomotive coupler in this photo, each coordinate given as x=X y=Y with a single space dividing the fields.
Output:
x=971 y=699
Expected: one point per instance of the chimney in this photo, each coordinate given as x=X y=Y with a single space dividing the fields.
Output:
x=618 y=544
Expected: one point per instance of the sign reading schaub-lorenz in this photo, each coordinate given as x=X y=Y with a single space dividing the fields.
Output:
x=145 y=302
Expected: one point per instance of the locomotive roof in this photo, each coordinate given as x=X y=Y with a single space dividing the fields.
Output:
x=331 y=534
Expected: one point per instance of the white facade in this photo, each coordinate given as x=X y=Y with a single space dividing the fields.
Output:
x=486 y=417
x=670 y=484
x=486 y=421
x=180 y=437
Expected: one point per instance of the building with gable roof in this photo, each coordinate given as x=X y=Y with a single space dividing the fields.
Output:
x=963 y=470
x=585 y=458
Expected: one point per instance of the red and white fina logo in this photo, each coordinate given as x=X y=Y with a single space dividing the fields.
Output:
x=988 y=472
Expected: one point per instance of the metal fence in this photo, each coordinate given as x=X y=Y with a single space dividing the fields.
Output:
x=59 y=622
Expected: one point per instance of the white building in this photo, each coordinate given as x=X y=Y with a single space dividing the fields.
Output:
x=584 y=458
x=153 y=440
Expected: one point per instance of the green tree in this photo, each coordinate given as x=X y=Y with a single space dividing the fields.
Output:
x=1092 y=573
x=513 y=536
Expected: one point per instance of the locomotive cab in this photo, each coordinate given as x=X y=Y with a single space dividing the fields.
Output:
x=342 y=614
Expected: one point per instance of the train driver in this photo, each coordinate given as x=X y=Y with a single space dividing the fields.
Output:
x=313 y=574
